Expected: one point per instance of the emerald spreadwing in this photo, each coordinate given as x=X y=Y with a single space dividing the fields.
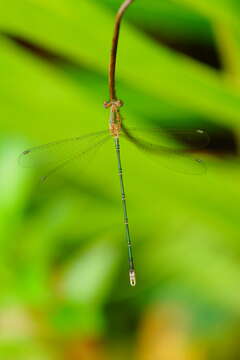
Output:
x=60 y=153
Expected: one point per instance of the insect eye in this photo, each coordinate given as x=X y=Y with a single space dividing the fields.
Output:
x=107 y=104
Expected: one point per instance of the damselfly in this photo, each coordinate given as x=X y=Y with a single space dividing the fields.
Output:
x=58 y=154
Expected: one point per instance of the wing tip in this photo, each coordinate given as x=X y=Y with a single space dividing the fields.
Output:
x=25 y=152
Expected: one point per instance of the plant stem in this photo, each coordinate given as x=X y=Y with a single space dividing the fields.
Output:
x=113 y=59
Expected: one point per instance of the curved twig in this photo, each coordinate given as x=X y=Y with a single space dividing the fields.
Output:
x=113 y=59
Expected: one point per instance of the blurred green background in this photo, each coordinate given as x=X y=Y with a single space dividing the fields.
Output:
x=64 y=291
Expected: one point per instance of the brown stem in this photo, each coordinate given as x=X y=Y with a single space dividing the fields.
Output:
x=113 y=59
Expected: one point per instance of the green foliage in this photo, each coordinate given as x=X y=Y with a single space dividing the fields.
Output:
x=63 y=256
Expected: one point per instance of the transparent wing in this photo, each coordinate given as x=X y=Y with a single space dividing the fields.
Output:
x=56 y=155
x=172 y=146
x=183 y=163
x=168 y=139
